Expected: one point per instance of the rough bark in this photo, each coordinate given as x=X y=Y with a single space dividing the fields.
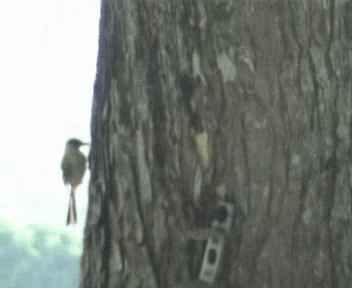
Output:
x=245 y=100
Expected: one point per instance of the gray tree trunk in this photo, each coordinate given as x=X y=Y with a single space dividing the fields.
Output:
x=246 y=101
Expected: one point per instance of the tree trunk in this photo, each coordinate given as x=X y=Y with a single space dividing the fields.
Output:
x=246 y=102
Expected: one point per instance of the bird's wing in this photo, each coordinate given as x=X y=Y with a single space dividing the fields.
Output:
x=66 y=171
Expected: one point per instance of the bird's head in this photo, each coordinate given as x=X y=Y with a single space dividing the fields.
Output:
x=75 y=143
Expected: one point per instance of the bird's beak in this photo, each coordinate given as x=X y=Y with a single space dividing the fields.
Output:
x=85 y=144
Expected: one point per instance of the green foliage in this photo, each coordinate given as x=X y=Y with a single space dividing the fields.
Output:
x=34 y=256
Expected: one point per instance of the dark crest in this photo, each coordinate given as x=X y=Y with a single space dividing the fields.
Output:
x=75 y=142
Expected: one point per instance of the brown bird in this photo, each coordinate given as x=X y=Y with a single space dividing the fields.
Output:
x=73 y=166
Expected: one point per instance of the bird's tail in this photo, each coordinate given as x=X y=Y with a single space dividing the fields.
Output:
x=72 y=213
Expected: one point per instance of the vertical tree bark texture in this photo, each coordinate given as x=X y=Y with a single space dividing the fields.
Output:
x=248 y=101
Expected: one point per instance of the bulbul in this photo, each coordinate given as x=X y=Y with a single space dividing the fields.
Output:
x=73 y=166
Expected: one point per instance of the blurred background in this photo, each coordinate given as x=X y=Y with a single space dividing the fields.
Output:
x=47 y=67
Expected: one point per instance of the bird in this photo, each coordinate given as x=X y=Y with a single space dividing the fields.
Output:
x=73 y=167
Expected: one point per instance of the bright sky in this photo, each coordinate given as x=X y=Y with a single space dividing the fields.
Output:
x=48 y=57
